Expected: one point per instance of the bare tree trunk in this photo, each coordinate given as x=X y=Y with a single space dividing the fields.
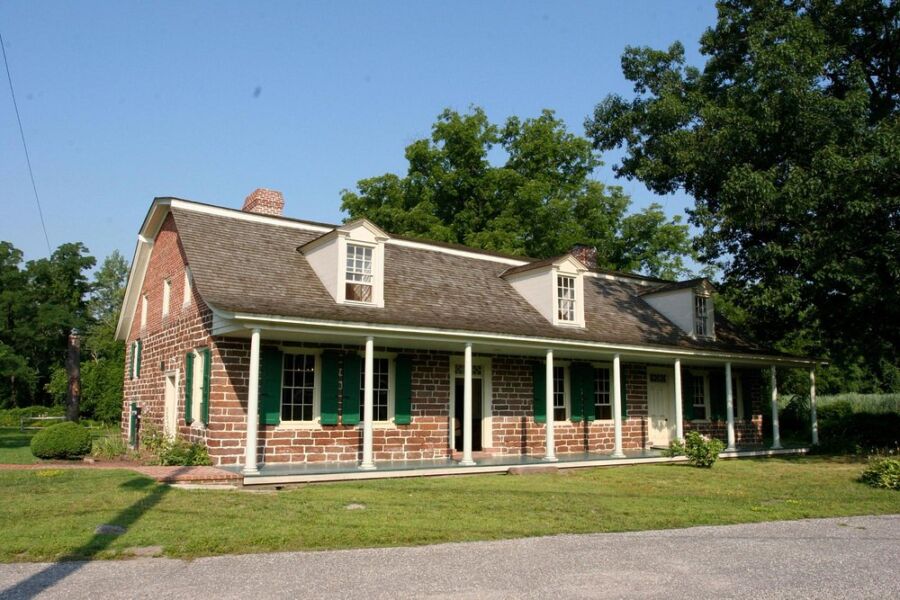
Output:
x=73 y=368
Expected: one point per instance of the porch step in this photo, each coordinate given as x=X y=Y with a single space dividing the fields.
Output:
x=477 y=454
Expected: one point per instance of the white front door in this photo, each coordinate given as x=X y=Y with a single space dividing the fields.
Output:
x=171 y=415
x=661 y=406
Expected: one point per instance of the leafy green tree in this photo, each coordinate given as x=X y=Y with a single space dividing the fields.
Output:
x=539 y=202
x=17 y=376
x=788 y=139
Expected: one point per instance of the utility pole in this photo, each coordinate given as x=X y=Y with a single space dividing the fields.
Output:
x=73 y=369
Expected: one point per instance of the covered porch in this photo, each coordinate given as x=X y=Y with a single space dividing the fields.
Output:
x=469 y=399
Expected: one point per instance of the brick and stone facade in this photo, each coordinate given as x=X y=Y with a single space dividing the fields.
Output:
x=166 y=340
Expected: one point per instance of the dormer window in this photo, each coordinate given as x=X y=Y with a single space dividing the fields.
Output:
x=349 y=261
x=359 y=273
x=565 y=298
x=701 y=315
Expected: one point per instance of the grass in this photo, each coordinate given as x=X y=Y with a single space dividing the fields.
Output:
x=51 y=514
x=15 y=445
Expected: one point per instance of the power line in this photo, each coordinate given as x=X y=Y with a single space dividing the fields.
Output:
x=37 y=200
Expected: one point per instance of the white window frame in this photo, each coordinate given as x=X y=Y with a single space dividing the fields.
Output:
x=392 y=388
x=133 y=364
x=612 y=406
x=316 y=421
x=188 y=284
x=706 y=403
x=567 y=392
x=705 y=320
x=566 y=268
x=167 y=292
x=144 y=307
x=737 y=394
x=571 y=314
x=197 y=389
x=351 y=246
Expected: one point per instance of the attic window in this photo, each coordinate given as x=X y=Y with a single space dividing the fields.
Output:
x=565 y=298
x=701 y=315
x=359 y=273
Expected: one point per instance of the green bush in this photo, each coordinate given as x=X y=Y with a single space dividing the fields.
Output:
x=63 y=440
x=882 y=472
x=178 y=452
x=700 y=450
x=860 y=433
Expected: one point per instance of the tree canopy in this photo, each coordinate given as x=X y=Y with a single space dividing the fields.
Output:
x=788 y=139
x=540 y=201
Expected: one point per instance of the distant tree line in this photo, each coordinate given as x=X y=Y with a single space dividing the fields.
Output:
x=41 y=303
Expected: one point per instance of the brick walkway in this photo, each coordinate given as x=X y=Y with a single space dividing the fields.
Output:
x=204 y=475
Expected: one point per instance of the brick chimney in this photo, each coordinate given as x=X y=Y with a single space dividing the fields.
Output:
x=586 y=254
x=265 y=202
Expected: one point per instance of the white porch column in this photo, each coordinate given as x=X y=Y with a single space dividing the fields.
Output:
x=776 y=434
x=250 y=459
x=368 y=463
x=812 y=407
x=467 y=408
x=617 y=407
x=550 y=440
x=679 y=413
x=729 y=408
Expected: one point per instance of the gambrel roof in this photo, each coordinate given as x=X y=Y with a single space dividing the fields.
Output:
x=250 y=264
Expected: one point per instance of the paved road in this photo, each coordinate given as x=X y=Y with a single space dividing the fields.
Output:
x=824 y=558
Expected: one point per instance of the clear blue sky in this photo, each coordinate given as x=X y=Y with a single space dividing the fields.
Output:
x=124 y=101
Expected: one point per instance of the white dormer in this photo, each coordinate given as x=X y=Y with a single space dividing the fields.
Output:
x=688 y=304
x=349 y=261
x=555 y=287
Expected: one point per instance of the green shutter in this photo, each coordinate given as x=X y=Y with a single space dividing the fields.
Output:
x=539 y=385
x=580 y=391
x=271 y=363
x=587 y=383
x=132 y=425
x=204 y=404
x=350 y=407
x=687 y=396
x=748 y=400
x=137 y=366
x=188 y=387
x=403 y=391
x=328 y=412
x=131 y=360
x=624 y=392
x=717 y=395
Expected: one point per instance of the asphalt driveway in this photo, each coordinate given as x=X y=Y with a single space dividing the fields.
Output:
x=855 y=557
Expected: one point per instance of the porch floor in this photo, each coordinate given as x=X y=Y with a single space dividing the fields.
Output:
x=286 y=473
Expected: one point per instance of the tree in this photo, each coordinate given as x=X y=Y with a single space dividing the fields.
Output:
x=540 y=202
x=788 y=139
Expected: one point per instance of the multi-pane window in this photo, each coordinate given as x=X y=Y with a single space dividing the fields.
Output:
x=565 y=298
x=559 y=393
x=380 y=389
x=298 y=387
x=359 y=273
x=602 y=397
x=698 y=384
x=701 y=315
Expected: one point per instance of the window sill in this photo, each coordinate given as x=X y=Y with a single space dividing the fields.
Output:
x=297 y=425
x=358 y=303
x=379 y=425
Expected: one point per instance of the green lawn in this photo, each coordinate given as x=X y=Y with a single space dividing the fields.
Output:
x=51 y=514
x=14 y=447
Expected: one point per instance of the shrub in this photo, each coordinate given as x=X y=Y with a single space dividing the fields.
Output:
x=860 y=433
x=700 y=450
x=63 y=440
x=152 y=438
x=109 y=447
x=178 y=452
x=882 y=472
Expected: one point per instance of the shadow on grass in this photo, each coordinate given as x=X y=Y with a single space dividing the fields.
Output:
x=14 y=440
x=77 y=558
